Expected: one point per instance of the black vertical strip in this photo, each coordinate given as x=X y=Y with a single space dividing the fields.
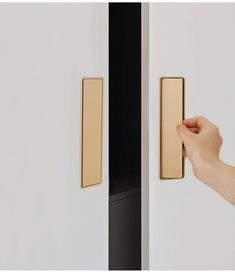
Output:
x=124 y=96
x=125 y=136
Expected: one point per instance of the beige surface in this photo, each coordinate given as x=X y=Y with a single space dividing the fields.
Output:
x=172 y=97
x=92 y=96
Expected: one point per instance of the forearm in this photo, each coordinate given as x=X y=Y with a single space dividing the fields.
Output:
x=221 y=178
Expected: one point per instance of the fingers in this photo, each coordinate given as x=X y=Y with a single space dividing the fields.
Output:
x=184 y=133
x=194 y=129
x=198 y=121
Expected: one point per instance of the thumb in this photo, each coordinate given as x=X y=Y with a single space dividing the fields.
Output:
x=184 y=133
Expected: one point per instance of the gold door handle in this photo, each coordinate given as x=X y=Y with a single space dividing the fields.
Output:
x=92 y=119
x=172 y=114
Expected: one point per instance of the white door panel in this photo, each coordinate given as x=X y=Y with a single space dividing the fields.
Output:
x=189 y=226
x=46 y=219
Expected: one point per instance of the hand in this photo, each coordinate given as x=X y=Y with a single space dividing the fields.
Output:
x=202 y=142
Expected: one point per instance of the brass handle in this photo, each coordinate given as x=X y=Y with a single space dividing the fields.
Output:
x=92 y=118
x=172 y=114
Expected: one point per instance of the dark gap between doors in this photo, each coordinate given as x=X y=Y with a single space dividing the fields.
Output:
x=125 y=136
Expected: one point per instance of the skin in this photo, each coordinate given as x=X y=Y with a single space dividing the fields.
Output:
x=202 y=143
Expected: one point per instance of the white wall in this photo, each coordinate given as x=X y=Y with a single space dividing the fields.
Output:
x=46 y=219
x=190 y=226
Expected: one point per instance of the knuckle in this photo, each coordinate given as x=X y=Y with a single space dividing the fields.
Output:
x=200 y=117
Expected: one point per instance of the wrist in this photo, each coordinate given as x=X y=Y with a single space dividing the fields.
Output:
x=220 y=177
x=208 y=170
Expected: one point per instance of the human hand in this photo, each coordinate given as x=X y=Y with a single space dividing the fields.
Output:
x=202 y=142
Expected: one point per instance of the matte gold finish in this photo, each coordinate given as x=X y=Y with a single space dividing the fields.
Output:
x=172 y=114
x=92 y=117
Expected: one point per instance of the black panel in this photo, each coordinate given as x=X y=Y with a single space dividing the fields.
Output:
x=125 y=231
x=125 y=136
x=124 y=96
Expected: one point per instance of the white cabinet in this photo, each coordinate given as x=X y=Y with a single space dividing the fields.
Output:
x=186 y=225
x=47 y=220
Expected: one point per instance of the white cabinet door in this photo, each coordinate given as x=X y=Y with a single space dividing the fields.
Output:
x=186 y=225
x=46 y=219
